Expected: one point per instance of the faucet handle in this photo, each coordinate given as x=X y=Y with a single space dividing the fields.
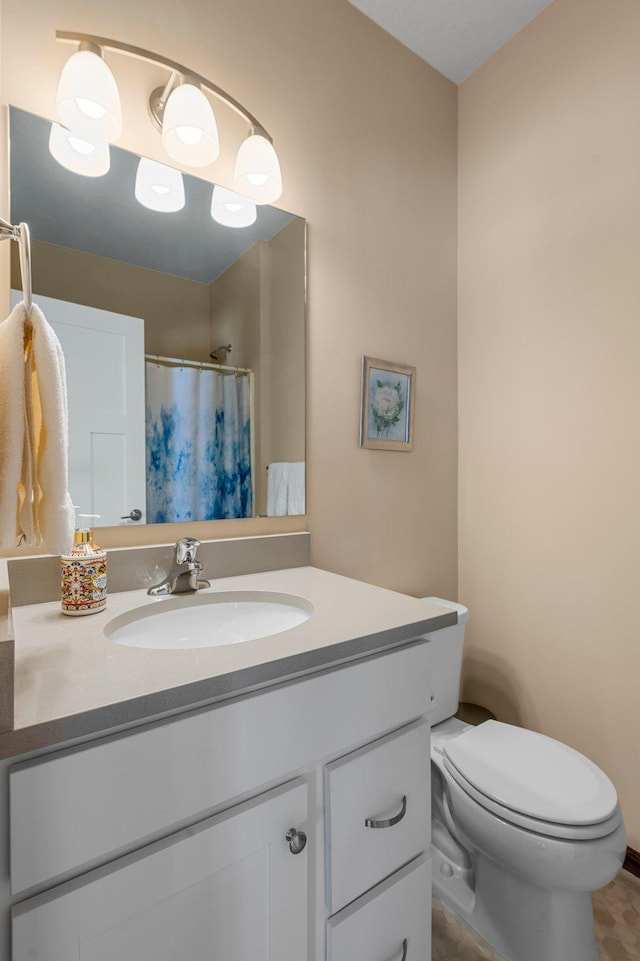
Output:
x=185 y=550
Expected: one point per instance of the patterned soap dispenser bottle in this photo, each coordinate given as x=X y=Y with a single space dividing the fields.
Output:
x=84 y=573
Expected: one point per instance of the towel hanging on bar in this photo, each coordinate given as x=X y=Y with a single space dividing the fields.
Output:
x=285 y=488
x=35 y=506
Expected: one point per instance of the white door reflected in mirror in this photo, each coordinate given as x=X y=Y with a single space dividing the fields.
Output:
x=106 y=410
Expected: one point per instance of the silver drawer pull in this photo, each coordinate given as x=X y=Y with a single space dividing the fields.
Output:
x=388 y=822
x=405 y=945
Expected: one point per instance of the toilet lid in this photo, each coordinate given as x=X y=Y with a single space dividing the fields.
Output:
x=532 y=774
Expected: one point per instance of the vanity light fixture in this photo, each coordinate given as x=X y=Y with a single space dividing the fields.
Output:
x=180 y=110
x=257 y=171
x=78 y=153
x=87 y=100
x=189 y=129
x=159 y=187
x=231 y=209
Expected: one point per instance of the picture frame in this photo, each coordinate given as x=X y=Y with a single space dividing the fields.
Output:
x=387 y=406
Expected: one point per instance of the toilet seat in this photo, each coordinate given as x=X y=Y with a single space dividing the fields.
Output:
x=533 y=781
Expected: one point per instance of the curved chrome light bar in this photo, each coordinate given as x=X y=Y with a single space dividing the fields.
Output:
x=177 y=70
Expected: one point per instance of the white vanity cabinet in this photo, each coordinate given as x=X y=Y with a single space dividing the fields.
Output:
x=173 y=839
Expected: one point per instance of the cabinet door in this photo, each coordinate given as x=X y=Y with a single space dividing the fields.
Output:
x=227 y=889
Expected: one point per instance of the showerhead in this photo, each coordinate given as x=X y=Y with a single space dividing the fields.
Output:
x=220 y=353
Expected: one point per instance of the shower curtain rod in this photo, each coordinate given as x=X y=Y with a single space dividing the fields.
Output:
x=177 y=362
x=20 y=233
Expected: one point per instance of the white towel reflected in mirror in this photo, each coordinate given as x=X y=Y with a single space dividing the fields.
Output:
x=285 y=489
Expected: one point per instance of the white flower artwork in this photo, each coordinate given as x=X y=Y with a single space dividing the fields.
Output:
x=387 y=405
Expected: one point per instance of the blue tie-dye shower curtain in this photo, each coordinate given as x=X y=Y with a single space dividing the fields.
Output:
x=198 y=444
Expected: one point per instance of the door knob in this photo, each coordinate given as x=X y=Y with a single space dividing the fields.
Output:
x=297 y=840
x=134 y=515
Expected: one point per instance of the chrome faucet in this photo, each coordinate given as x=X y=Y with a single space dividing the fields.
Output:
x=183 y=576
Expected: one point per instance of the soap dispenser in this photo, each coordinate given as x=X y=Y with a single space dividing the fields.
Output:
x=84 y=574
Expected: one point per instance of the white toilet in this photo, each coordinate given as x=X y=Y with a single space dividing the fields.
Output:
x=524 y=828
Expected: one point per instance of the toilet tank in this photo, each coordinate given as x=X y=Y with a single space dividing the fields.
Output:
x=446 y=661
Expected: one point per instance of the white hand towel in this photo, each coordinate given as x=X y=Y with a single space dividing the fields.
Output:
x=295 y=503
x=35 y=506
x=277 y=489
x=285 y=489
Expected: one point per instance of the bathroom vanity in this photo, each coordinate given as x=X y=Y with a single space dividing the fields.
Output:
x=264 y=800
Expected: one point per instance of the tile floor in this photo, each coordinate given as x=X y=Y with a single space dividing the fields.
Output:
x=617 y=920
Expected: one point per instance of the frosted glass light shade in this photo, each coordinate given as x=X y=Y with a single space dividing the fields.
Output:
x=159 y=187
x=80 y=154
x=189 y=129
x=87 y=100
x=257 y=172
x=231 y=209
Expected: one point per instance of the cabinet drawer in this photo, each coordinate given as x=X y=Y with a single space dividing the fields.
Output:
x=75 y=808
x=378 y=811
x=390 y=923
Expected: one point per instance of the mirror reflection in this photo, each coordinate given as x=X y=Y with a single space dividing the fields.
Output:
x=184 y=340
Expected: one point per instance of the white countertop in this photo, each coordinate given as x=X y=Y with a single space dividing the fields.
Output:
x=71 y=680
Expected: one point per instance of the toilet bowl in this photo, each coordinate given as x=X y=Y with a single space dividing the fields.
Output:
x=524 y=828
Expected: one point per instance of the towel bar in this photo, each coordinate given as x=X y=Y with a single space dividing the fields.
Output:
x=22 y=236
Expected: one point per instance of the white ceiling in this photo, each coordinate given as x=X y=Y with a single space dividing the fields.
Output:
x=454 y=36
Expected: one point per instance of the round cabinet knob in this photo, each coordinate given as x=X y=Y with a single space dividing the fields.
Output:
x=297 y=840
x=133 y=515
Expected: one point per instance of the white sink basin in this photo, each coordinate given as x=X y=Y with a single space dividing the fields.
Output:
x=187 y=621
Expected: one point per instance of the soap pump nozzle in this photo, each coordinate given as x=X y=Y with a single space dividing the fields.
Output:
x=84 y=533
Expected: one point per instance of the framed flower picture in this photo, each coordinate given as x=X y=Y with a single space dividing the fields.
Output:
x=386 y=421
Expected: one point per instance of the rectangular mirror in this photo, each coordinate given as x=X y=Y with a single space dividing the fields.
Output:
x=184 y=340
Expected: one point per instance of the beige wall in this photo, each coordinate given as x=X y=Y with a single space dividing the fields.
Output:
x=549 y=341
x=283 y=356
x=234 y=309
x=366 y=134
